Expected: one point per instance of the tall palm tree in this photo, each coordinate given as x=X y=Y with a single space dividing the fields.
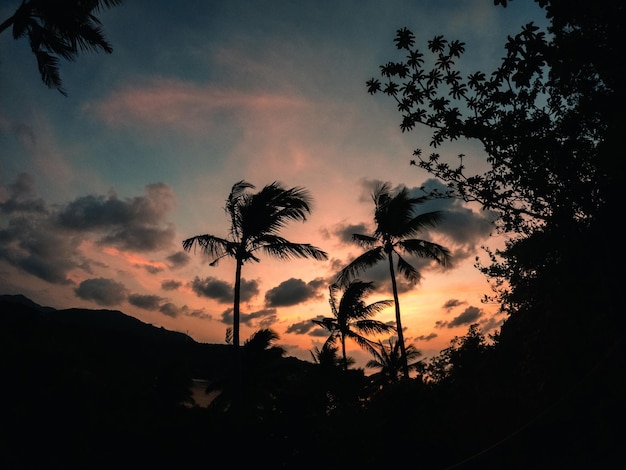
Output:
x=396 y=221
x=352 y=317
x=388 y=359
x=59 y=29
x=255 y=221
x=261 y=363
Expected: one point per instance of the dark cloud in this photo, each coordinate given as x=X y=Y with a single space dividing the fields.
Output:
x=147 y=302
x=452 y=303
x=195 y=313
x=490 y=324
x=426 y=337
x=23 y=197
x=292 y=292
x=106 y=292
x=169 y=309
x=132 y=224
x=171 y=284
x=31 y=244
x=344 y=232
x=319 y=332
x=151 y=268
x=212 y=288
x=227 y=316
x=264 y=318
x=156 y=303
x=222 y=291
x=469 y=316
x=178 y=260
x=303 y=327
x=46 y=241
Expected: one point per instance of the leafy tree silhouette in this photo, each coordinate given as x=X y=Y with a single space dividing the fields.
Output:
x=59 y=29
x=396 y=221
x=352 y=317
x=551 y=120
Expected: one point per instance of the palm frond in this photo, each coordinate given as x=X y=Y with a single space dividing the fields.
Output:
x=233 y=207
x=354 y=293
x=376 y=307
x=381 y=192
x=408 y=271
x=211 y=245
x=360 y=264
x=280 y=248
x=426 y=249
x=425 y=220
x=361 y=341
x=261 y=340
x=328 y=323
x=368 y=326
x=365 y=241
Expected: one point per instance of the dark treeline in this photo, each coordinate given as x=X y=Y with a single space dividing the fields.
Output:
x=546 y=392
x=89 y=389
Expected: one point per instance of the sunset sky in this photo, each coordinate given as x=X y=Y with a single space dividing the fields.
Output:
x=98 y=189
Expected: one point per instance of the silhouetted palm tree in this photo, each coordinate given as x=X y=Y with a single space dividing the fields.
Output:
x=388 y=358
x=352 y=317
x=255 y=220
x=396 y=221
x=59 y=29
x=261 y=373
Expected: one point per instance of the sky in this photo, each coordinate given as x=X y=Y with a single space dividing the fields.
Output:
x=99 y=189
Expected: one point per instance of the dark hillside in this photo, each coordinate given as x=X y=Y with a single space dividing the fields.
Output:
x=85 y=388
x=105 y=334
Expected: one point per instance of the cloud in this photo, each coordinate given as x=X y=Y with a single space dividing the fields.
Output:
x=303 y=327
x=178 y=260
x=32 y=244
x=169 y=309
x=171 y=284
x=136 y=224
x=195 y=313
x=23 y=197
x=452 y=303
x=106 y=292
x=292 y=292
x=344 y=231
x=186 y=107
x=490 y=324
x=156 y=303
x=222 y=291
x=147 y=302
x=263 y=318
x=469 y=316
x=428 y=337
x=152 y=269
x=47 y=241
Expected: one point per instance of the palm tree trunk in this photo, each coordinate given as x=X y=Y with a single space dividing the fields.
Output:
x=403 y=359
x=238 y=397
x=343 y=350
x=236 y=303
